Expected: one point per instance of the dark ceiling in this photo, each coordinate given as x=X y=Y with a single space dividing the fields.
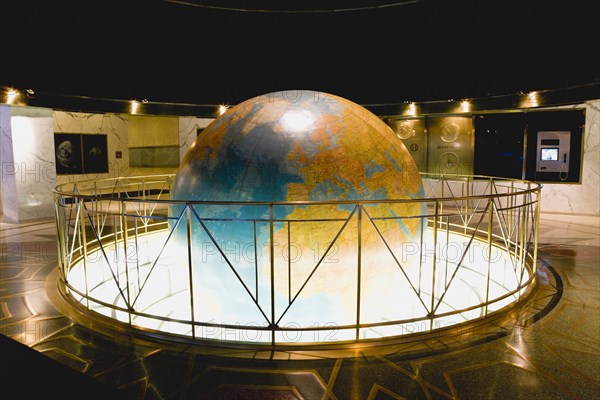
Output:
x=213 y=52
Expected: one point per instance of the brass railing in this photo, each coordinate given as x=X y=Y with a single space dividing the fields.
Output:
x=118 y=257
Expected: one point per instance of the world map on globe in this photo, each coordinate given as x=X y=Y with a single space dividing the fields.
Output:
x=307 y=148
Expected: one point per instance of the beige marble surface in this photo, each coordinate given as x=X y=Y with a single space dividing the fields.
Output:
x=188 y=128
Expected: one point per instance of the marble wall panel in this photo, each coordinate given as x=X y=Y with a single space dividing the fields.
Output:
x=188 y=130
x=153 y=131
x=27 y=179
x=8 y=189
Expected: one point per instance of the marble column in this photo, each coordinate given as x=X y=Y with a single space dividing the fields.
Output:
x=27 y=160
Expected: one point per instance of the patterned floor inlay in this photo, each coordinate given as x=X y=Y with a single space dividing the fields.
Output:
x=546 y=349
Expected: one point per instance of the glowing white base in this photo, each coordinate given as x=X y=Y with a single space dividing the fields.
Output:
x=397 y=296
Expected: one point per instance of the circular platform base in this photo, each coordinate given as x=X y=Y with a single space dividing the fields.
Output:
x=538 y=303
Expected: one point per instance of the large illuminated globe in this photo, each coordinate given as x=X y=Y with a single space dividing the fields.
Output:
x=297 y=146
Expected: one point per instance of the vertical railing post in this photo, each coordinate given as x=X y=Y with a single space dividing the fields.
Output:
x=289 y=255
x=65 y=234
x=190 y=268
x=538 y=193
x=421 y=250
x=447 y=247
x=489 y=255
x=145 y=205
x=137 y=254
x=95 y=206
x=77 y=231
x=83 y=243
x=272 y=260
x=523 y=228
x=255 y=261
x=441 y=206
x=359 y=271
x=144 y=196
x=434 y=264
x=60 y=242
x=523 y=236
x=125 y=237
x=116 y=247
x=510 y=209
x=467 y=208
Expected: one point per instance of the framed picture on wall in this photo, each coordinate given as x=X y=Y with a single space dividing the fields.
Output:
x=76 y=153
x=67 y=151
x=95 y=153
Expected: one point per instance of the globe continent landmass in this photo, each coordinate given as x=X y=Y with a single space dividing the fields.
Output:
x=299 y=146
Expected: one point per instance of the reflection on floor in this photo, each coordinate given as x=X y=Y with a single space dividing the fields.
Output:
x=550 y=351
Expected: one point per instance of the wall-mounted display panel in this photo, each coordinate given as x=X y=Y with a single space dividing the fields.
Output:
x=554 y=144
x=77 y=153
x=67 y=151
x=450 y=145
x=414 y=136
x=154 y=157
x=95 y=153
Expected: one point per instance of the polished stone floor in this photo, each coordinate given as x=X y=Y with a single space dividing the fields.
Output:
x=546 y=349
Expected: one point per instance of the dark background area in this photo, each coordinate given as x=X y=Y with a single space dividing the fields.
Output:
x=499 y=147
x=369 y=51
x=53 y=380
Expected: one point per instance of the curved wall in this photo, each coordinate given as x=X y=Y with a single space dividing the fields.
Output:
x=28 y=165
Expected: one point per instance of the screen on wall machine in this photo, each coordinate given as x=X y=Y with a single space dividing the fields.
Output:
x=77 y=153
x=549 y=154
